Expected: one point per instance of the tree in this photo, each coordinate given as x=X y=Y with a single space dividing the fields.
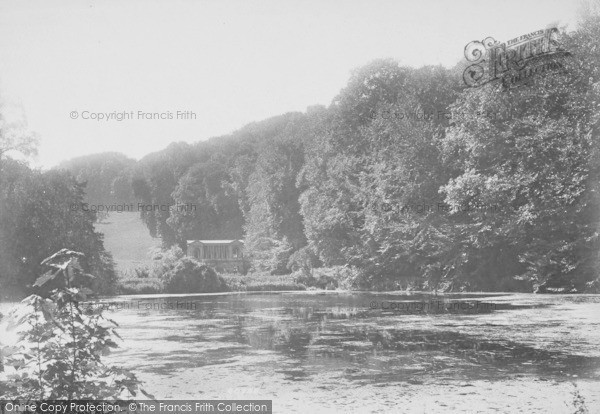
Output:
x=354 y=170
x=15 y=135
x=273 y=225
x=205 y=205
x=37 y=217
x=107 y=177
x=61 y=343
x=531 y=151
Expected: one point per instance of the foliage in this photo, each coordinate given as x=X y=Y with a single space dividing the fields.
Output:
x=335 y=277
x=408 y=177
x=137 y=286
x=164 y=261
x=262 y=282
x=142 y=272
x=533 y=153
x=15 y=135
x=274 y=226
x=320 y=281
x=107 y=178
x=268 y=254
x=304 y=260
x=190 y=276
x=58 y=354
x=37 y=218
x=208 y=209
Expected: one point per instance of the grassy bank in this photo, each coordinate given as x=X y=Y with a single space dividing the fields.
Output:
x=127 y=239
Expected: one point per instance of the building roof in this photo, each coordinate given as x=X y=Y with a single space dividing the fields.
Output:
x=214 y=241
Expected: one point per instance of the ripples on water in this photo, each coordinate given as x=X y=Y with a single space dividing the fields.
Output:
x=327 y=340
x=521 y=334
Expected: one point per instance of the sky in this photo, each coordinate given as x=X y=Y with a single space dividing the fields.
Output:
x=222 y=64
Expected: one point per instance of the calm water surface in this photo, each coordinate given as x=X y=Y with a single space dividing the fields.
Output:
x=367 y=352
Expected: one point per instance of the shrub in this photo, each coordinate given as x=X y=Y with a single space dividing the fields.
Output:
x=139 y=286
x=593 y=286
x=142 y=272
x=190 y=276
x=163 y=261
x=336 y=277
x=315 y=280
x=60 y=345
x=303 y=259
x=138 y=281
x=268 y=254
x=262 y=282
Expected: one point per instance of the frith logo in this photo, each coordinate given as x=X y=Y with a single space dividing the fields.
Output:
x=513 y=61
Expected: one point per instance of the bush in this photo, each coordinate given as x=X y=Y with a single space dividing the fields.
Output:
x=163 y=261
x=139 y=286
x=58 y=354
x=190 y=276
x=262 y=282
x=142 y=272
x=336 y=277
x=138 y=281
x=303 y=260
x=593 y=286
x=269 y=255
x=319 y=281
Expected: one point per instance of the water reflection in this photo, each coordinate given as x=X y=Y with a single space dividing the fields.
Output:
x=306 y=334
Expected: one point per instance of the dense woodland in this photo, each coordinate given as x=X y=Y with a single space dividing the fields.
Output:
x=408 y=176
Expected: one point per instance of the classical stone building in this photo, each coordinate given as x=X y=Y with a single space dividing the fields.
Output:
x=223 y=255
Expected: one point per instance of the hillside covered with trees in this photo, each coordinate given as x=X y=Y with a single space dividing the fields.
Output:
x=409 y=177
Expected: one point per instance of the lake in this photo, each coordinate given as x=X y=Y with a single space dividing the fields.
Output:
x=366 y=352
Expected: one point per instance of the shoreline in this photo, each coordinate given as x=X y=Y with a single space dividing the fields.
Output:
x=5 y=300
